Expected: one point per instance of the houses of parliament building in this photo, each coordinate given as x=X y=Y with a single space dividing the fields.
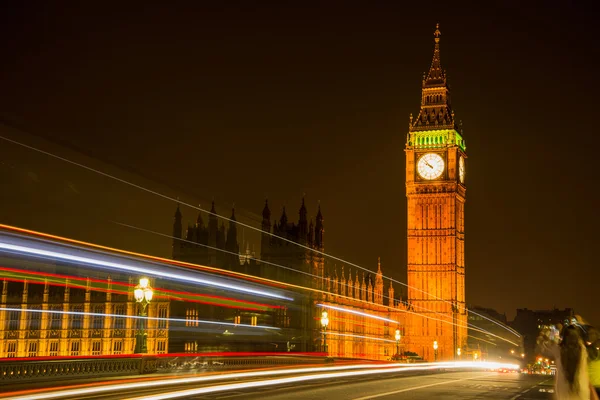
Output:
x=365 y=311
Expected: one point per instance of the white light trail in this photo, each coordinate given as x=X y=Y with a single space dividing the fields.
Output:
x=137 y=270
x=369 y=369
x=329 y=333
x=350 y=311
x=280 y=381
x=138 y=317
x=245 y=225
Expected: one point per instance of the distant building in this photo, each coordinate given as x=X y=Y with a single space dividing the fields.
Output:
x=499 y=342
x=529 y=322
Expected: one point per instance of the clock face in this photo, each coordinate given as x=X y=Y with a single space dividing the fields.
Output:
x=430 y=166
x=461 y=169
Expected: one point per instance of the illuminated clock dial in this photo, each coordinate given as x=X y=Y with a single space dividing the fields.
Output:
x=430 y=166
x=461 y=169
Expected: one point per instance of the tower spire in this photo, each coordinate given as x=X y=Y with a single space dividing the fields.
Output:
x=436 y=110
x=436 y=75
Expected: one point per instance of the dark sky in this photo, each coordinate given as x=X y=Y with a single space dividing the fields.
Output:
x=245 y=101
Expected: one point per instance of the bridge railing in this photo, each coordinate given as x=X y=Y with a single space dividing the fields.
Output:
x=14 y=370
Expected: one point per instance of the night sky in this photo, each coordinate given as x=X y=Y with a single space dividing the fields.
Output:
x=243 y=102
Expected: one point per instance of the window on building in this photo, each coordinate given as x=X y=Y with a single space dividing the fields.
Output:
x=77 y=318
x=35 y=319
x=191 y=347
x=237 y=319
x=55 y=318
x=253 y=320
x=163 y=314
x=191 y=317
x=53 y=351
x=119 y=322
x=118 y=347
x=11 y=349
x=96 y=348
x=32 y=350
x=161 y=347
x=98 y=317
x=13 y=321
x=75 y=348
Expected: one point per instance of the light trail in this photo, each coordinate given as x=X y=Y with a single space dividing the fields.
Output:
x=138 y=270
x=350 y=311
x=330 y=333
x=243 y=275
x=92 y=284
x=368 y=369
x=469 y=325
x=239 y=223
x=199 y=321
x=289 y=285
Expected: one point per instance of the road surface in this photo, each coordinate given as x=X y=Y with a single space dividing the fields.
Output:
x=452 y=385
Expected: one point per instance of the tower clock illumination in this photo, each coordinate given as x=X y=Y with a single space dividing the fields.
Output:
x=436 y=155
x=430 y=166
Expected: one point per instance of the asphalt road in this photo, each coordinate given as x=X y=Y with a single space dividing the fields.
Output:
x=385 y=386
x=452 y=385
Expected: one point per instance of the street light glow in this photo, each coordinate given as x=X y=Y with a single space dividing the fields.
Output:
x=324 y=319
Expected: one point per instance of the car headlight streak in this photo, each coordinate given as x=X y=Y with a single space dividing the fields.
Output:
x=199 y=321
x=137 y=270
x=367 y=369
x=350 y=311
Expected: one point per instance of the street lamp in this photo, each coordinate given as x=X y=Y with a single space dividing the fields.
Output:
x=512 y=351
x=324 y=323
x=475 y=356
x=398 y=336
x=435 y=347
x=458 y=352
x=143 y=294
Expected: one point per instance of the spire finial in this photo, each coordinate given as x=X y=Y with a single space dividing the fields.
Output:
x=437 y=33
x=378 y=265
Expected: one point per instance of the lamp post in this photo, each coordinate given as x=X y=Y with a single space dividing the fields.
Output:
x=324 y=323
x=435 y=347
x=143 y=295
x=398 y=336
x=475 y=356
x=458 y=352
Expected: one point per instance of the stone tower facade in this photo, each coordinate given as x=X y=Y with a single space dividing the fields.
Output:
x=435 y=190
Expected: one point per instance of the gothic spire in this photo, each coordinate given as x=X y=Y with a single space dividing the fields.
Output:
x=199 y=221
x=436 y=76
x=303 y=223
x=436 y=110
x=266 y=212
x=283 y=220
x=177 y=222
x=319 y=230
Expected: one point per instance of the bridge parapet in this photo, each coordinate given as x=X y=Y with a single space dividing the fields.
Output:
x=40 y=369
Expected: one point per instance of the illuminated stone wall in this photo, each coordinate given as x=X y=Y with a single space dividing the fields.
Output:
x=46 y=333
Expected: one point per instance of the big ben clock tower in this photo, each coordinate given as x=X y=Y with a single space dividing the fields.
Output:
x=435 y=190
